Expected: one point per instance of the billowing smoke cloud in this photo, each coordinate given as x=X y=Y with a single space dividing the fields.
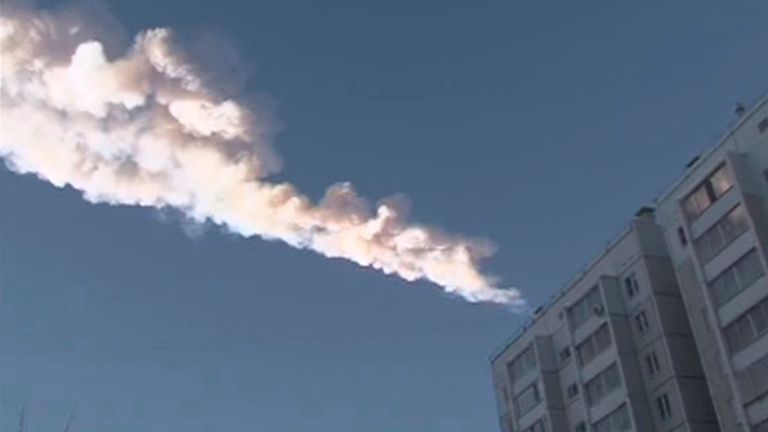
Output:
x=147 y=126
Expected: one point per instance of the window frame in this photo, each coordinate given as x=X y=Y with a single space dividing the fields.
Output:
x=706 y=191
x=595 y=347
x=705 y=246
x=599 y=387
x=631 y=285
x=732 y=271
x=529 y=361
x=652 y=363
x=744 y=321
x=537 y=397
x=642 y=322
x=664 y=407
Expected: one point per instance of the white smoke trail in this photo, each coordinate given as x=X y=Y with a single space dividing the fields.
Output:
x=147 y=127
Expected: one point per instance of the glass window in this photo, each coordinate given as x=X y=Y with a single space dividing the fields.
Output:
x=641 y=319
x=739 y=276
x=652 y=363
x=565 y=354
x=663 y=406
x=537 y=427
x=710 y=190
x=580 y=312
x=749 y=268
x=724 y=287
x=697 y=202
x=617 y=421
x=602 y=384
x=527 y=399
x=593 y=345
x=721 y=181
x=602 y=338
x=522 y=364
x=631 y=285
x=747 y=328
x=753 y=380
x=721 y=234
x=759 y=318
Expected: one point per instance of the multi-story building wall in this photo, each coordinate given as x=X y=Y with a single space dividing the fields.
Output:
x=716 y=223
x=612 y=353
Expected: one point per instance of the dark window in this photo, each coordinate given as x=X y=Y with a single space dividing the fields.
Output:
x=630 y=283
x=762 y=427
x=537 y=427
x=565 y=354
x=652 y=362
x=681 y=236
x=641 y=319
x=573 y=390
x=662 y=404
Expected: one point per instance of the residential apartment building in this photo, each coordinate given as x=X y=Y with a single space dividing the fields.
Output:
x=716 y=223
x=612 y=353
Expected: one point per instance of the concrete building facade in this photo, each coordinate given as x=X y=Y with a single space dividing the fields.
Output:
x=667 y=330
x=716 y=224
x=613 y=353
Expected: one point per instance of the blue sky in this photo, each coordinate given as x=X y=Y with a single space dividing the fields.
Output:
x=540 y=126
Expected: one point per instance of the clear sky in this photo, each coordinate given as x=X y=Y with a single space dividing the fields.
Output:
x=540 y=125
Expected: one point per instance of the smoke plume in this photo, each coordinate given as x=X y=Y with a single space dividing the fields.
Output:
x=144 y=124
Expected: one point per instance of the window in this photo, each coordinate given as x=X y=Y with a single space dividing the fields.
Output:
x=536 y=427
x=753 y=380
x=581 y=427
x=617 y=421
x=681 y=236
x=572 y=390
x=507 y=425
x=641 y=319
x=721 y=234
x=762 y=427
x=652 y=363
x=631 y=286
x=748 y=327
x=580 y=312
x=565 y=354
x=527 y=399
x=603 y=384
x=593 y=345
x=708 y=192
x=739 y=276
x=522 y=364
x=662 y=405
